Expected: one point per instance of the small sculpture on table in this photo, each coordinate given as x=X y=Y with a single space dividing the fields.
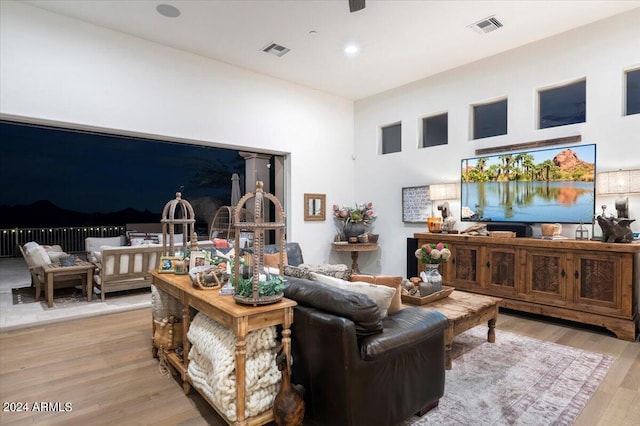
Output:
x=448 y=221
x=616 y=230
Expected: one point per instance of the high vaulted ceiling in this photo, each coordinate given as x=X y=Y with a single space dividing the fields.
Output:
x=399 y=41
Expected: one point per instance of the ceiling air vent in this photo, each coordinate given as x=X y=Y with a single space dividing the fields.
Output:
x=486 y=25
x=275 y=49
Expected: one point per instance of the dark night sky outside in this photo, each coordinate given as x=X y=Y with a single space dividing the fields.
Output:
x=93 y=173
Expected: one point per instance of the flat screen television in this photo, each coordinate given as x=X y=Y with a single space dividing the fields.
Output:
x=555 y=185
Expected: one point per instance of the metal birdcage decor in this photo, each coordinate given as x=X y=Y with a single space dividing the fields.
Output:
x=177 y=212
x=261 y=288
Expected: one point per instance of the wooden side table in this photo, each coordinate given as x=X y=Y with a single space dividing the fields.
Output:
x=84 y=269
x=355 y=249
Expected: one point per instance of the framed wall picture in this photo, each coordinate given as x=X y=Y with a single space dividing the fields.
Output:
x=416 y=204
x=168 y=264
x=197 y=258
x=315 y=207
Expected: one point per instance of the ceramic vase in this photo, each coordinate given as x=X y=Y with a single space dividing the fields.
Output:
x=351 y=231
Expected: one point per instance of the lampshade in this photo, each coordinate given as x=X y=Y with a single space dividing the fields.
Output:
x=444 y=191
x=618 y=182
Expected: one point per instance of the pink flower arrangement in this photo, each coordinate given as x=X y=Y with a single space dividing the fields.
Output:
x=433 y=253
x=361 y=213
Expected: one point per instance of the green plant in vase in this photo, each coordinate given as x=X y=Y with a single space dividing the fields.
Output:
x=272 y=286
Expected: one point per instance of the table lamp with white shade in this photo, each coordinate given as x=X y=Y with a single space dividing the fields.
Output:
x=445 y=192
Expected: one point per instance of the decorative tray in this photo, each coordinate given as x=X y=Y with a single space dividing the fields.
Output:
x=417 y=300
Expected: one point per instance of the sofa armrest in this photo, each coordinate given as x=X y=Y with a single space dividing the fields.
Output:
x=401 y=330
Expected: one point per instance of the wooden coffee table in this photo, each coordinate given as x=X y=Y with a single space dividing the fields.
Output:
x=464 y=311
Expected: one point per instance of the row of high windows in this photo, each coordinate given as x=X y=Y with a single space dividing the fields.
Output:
x=557 y=106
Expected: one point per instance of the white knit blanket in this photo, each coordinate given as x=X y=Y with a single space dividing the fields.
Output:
x=212 y=366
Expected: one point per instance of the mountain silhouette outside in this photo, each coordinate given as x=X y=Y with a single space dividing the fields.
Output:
x=58 y=177
x=45 y=214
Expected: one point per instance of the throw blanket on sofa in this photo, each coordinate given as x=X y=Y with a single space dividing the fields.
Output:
x=212 y=366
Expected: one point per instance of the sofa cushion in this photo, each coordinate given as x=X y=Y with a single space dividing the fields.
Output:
x=273 y=260
x=356 y=307
x=297 y=272
x=331 y=270
x=380 y=294
x=294 y=252
x=96 y=243
x=392 y=281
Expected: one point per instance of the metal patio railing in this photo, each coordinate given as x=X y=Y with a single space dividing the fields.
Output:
x=71 y=238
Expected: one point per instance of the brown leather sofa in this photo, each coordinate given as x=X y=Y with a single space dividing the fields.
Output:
x=358 y=368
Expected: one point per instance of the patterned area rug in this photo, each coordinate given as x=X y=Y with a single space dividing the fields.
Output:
x=515 y=381
x=66 y=297
x=61 y=296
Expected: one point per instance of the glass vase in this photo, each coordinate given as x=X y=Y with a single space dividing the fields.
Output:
x=432 y=276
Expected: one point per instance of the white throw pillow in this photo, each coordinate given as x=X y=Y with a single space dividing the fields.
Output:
x=380 y=294
x=39 y=256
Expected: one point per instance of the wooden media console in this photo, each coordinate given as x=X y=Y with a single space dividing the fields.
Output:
x=589 y=282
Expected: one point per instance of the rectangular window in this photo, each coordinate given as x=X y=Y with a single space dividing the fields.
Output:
x=563 y=105
x=391 y=138
x=435 y=130
x=490 y=119
x=633 y=92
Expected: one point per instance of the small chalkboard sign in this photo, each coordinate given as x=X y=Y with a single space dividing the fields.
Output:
x=416 y=204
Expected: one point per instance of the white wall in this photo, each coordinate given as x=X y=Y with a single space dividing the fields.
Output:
x=58 y=70
x=600 y=52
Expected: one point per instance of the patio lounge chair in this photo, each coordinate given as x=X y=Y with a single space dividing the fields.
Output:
x=37 y=257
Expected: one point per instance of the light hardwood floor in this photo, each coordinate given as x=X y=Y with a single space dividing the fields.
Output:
x=103 y=367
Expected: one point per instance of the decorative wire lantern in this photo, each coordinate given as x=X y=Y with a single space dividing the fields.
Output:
x=185 y=217
x=258 y=228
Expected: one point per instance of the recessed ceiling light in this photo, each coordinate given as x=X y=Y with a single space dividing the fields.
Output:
x=313 y=33
x=351 y=49
x=168 y=10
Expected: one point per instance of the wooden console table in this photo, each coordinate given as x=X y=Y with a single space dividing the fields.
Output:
x=355 y=249
x=240 y=319
x=584 y=281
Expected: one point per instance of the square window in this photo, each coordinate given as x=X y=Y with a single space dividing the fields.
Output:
x=563 y=105
x=633 y=92
x=490 y=119
x=391 y=138
x=435 y=130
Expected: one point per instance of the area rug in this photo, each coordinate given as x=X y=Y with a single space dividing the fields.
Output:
x=515 y=381
x=66 y=297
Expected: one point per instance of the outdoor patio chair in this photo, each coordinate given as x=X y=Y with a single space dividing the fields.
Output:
x=37 y=258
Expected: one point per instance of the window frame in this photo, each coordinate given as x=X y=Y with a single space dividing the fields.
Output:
x=423 y=126
x=539 y=90
x=472 y=118
x=382 y=140
x=625 y=91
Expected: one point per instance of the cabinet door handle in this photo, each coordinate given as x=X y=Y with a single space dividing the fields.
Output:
x=488 y=264
x=576 y=275
x=563 y=273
